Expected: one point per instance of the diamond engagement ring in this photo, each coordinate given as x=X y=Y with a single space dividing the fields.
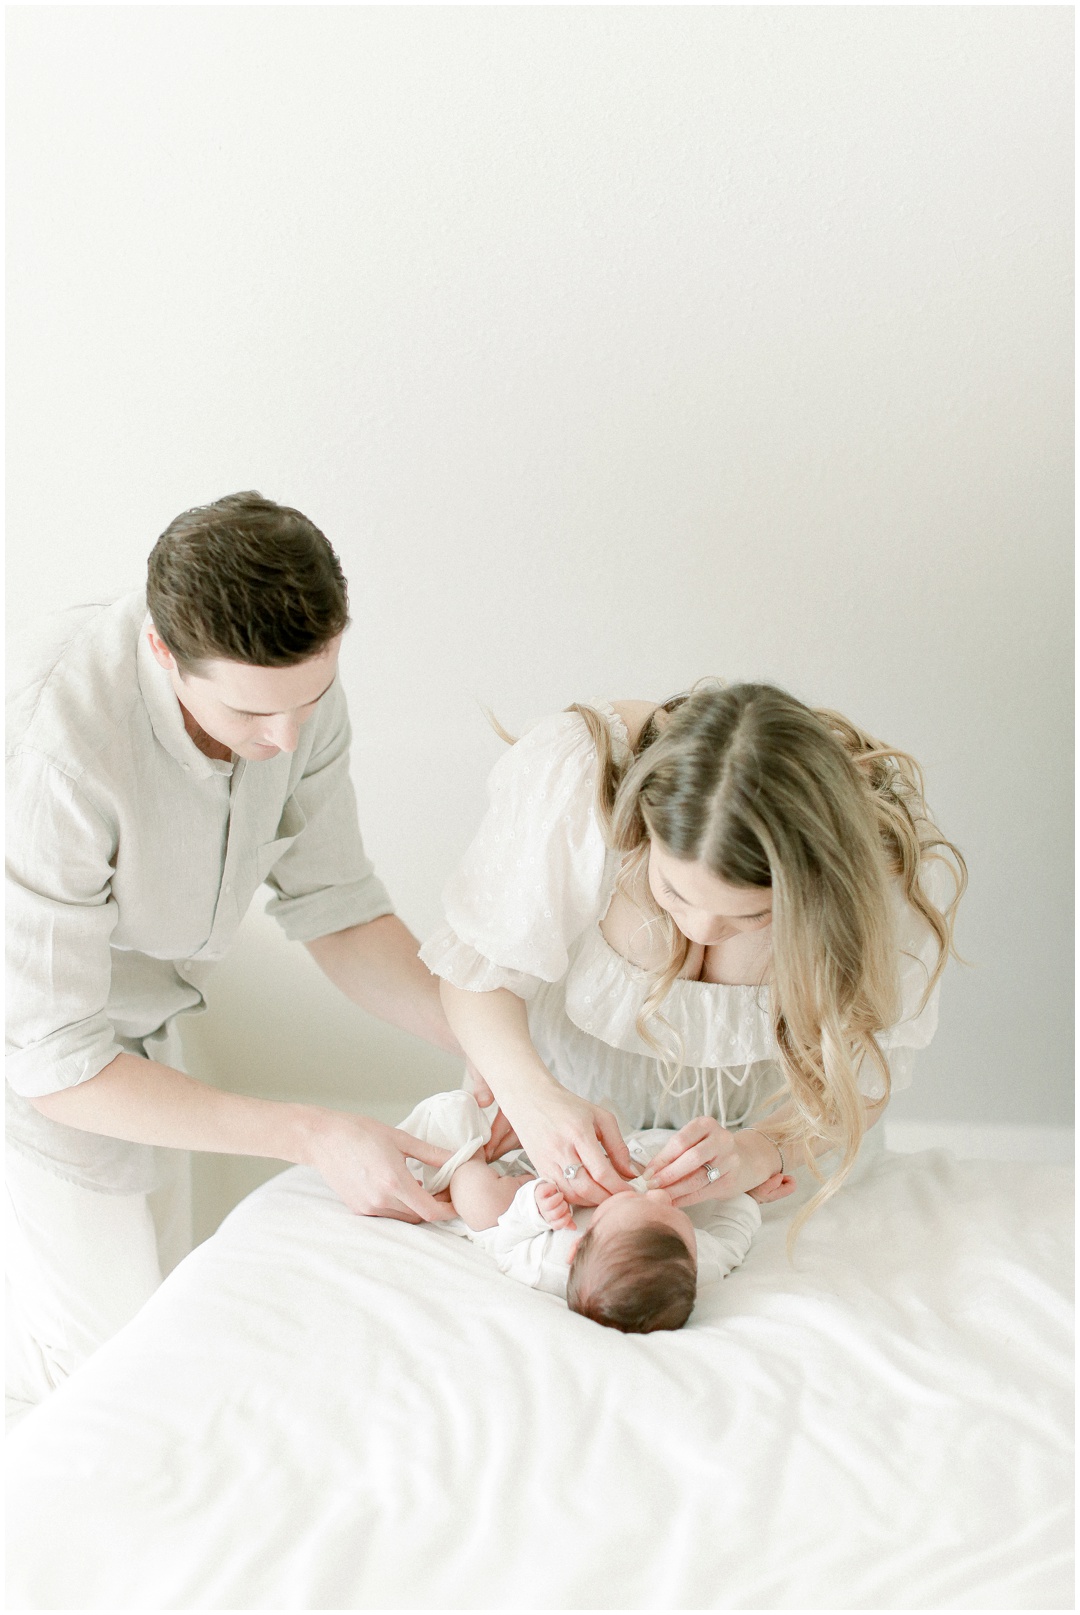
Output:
x=712 y=1173
x=571 y=1171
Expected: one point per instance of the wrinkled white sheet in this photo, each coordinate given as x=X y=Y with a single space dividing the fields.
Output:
x=319 y=1411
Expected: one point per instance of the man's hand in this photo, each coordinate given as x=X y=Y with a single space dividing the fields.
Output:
x=149 y=1103
x=553 y=1205
x=503 y=1138
x=363 y=1161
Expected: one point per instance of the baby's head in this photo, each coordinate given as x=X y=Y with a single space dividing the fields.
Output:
x=635 y=1268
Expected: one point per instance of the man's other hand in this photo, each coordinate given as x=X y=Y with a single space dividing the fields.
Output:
x=363 y=1161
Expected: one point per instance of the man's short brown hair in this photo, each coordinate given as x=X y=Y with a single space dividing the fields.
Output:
x=635 y=1281
x=245 y=580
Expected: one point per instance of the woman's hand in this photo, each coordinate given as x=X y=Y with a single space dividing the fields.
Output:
x=557 y=1129
x=705 y=1162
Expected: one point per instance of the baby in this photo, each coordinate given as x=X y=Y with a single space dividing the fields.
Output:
x=633 y=1263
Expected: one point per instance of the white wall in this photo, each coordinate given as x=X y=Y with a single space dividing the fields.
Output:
x=611 y=347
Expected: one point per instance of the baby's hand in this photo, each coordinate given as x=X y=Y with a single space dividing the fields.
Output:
x=778 y=1187
x=553 y=1204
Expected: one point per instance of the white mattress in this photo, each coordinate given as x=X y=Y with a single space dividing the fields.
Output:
x=319 y=1411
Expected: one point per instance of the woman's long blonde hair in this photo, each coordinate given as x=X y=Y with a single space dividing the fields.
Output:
x=764 y=792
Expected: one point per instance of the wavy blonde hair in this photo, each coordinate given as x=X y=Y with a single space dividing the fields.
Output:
x=766 y=792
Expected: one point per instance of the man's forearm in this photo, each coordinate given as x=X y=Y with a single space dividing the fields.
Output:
x=376 y=965
x=362 y=1160
x=145 y=1102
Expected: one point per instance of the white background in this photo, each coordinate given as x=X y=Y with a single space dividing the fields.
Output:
x=611 y=347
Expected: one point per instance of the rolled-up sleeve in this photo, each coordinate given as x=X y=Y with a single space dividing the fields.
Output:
x=60 y=917
x=323 y=880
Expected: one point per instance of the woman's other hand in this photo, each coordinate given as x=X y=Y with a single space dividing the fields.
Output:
x=705 y=1162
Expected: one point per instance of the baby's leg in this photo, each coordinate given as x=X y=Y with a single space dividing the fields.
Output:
x=479 y=1195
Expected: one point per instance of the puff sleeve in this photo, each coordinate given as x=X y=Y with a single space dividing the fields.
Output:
x=533 y=878
x=918 y=959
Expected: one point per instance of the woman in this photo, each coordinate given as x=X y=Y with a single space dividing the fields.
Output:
x=725 y=915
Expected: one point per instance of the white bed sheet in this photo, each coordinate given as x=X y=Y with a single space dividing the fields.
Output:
x=319 y=1411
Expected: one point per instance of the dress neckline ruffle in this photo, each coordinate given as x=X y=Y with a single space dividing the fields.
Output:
x=718 y=1025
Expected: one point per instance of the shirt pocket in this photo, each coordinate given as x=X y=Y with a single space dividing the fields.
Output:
x=292 y=822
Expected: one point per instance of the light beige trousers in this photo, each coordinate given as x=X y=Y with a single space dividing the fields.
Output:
x=78 y=1266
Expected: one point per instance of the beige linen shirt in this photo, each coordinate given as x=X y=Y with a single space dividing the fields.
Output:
x=132 y=858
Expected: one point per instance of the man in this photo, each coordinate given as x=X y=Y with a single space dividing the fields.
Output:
x=167 y=755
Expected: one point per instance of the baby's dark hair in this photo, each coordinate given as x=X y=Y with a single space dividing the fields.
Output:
x=637 y=1281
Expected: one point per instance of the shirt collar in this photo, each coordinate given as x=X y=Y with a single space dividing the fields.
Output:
x=166 y=719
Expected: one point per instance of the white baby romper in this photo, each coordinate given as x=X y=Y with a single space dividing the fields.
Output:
x=522 y=1243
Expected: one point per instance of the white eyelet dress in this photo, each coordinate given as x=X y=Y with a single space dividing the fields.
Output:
x=523 y=911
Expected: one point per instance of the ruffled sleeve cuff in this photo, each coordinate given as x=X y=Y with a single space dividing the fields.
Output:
x=871 y=1083
x=918 y=957
x=462 y=966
